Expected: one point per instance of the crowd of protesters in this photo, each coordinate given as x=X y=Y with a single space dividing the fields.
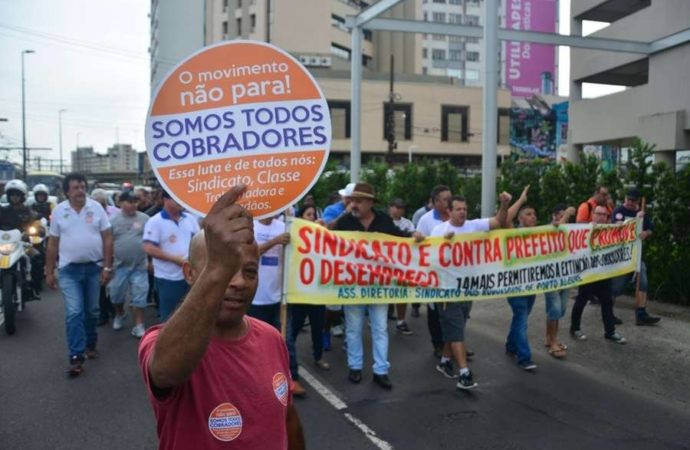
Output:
x=110 y=257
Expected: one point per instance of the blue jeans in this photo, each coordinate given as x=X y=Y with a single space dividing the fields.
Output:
x=378 y=318
x=556 y=304
x=136 y=281
x=171 y=293
x=80 y=285
x=517 y=338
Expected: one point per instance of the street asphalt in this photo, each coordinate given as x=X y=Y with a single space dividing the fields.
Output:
x=603 y=395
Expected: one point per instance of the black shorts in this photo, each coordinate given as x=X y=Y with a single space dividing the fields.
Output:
x=453 y=317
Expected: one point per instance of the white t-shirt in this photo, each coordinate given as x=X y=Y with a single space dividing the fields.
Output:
x=404 y=224
x=470 y=226
x=171 y=237
x=79 y=233
x=428 y=221
x=268 y=290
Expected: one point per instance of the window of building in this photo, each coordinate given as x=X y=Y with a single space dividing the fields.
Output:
x=503 y=126
x=439 y=1
x=239 y=27
x=339 y=51
x=367 y=35
x=454 y=55
x=438 y=54
x=439 y=37
x=425 y=71
x=471 y=19
x=340 y=118
x=455 y=2
x=225 y=5
x=455 y=18
x=239 y=3
x=425 y=53
x=472 y=75
x=455 y=38
x=438 y=17
x=402 y=117
x=426 y=16
x=225 y=29
x=455 y=123
x=252 y=23
x=338 y=22
x=472 y=56
x=472 y=40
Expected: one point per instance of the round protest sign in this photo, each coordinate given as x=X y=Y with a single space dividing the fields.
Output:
x=238 y=112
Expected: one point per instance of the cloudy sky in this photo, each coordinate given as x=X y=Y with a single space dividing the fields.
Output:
x=91 y=60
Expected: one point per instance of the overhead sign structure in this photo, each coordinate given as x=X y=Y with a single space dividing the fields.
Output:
x=239 y=112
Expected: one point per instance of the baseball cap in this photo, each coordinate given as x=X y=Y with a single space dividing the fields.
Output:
x=128 y=196
x=347 y=192
x=633 y=194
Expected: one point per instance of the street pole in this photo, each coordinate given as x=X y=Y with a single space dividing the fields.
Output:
x=490 y=108
x=24 y=152
x=60 y=133
x=390 y=123
x=356 y=109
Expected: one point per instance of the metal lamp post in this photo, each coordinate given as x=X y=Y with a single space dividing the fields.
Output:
x=60 y=134
x=24 y=153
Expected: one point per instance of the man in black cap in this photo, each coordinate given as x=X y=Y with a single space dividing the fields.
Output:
x=629 y=210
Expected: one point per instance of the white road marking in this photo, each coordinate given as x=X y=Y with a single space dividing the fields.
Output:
x=340 y=405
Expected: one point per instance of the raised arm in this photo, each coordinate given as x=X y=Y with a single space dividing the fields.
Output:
x=499 y=220
x=183 y=340
x=515 y=208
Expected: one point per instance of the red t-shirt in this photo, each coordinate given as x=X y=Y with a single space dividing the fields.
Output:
x=237 y=397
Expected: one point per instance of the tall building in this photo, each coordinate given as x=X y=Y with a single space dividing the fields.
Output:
x=655 y=106
x=119 y=158
x=177 y=29
x=433 y=115
x=526 y=69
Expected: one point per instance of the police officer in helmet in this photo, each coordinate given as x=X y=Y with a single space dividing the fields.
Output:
x=16 y=216
x=41 y=206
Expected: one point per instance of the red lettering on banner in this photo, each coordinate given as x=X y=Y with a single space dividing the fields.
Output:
x=423 y=255
x=304 y=233
x=404 y=254
x=577 y=239
x=306 y=271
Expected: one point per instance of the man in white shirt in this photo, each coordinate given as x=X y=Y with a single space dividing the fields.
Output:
x=440 y=198
x=453 y=315
x=166 y=239
x=80 y=232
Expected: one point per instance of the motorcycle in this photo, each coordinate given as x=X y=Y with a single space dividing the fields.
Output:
x=15 y=276
x=36 y=235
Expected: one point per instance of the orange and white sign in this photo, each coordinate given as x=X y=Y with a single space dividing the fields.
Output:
x=238 y=112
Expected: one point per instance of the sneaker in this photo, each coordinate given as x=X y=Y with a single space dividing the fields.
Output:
x=355 y=376
x=466 y=382
x=403 y=328
x=323 y=365
x=337 y=330
x=529 y=366
x=326 y=340
x=646 y=319
x=119 y=321
x=447 y=369
x=383 y=381
x=617 y=338
x=75 y=366
x=138 y=331
x=579 y=335
x=92 y=353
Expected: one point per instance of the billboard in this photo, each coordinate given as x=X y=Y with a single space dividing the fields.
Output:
x=530 y=68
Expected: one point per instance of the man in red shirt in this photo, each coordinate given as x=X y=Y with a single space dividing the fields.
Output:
x=585 y=212
x=217 y=378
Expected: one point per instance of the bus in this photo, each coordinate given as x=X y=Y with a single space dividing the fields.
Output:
x=52 y=180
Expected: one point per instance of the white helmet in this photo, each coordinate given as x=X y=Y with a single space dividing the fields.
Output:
x=17 y=185
x=40 y=188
